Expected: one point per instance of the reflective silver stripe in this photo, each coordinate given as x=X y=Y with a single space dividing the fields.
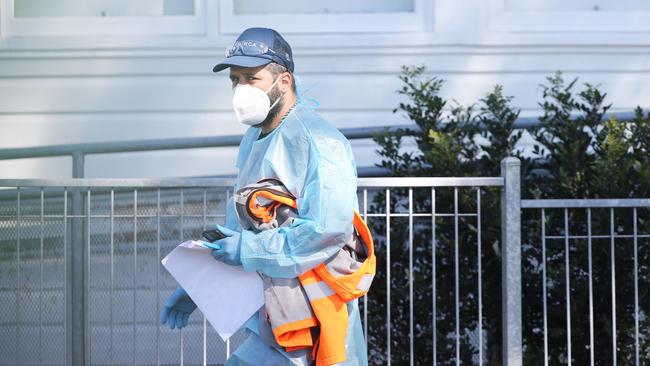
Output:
x=240 y=199
x=365 y=282
x=342 y=264
x=337 y=265
x=345 y=262
x=318 y=290
x=285 y=301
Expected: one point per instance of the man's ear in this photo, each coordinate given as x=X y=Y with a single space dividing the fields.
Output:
x=286 y=81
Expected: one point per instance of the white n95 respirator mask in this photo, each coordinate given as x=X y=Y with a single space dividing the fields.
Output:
x=251 y=104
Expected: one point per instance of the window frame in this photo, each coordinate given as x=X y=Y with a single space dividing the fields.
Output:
x=10 y=26
x=502 y=20
x=393 y=22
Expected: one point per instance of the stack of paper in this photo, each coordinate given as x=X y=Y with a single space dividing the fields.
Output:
x=227 y=295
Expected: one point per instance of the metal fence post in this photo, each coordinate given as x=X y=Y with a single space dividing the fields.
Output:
x=511 y=263
x=77 y=307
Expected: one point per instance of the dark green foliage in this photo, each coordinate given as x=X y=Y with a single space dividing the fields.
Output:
x=577 y=154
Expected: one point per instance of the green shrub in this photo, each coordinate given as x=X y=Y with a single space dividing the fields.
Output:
x=581 y=157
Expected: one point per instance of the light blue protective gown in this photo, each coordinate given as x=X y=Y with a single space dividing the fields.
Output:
x=315 y=162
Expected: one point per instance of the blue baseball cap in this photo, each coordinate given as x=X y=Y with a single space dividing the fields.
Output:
x=256 y=47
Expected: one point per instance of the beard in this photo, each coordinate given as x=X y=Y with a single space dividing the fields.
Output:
x=274 y=95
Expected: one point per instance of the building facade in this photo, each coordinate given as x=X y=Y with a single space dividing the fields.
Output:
x=75 y=71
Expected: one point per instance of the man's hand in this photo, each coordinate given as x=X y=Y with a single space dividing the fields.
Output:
x=177 y=309
x=226 y=249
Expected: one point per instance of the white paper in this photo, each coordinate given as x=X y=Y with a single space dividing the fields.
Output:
x=227 y=295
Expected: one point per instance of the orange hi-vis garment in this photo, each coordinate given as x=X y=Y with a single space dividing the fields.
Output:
x=309 y=311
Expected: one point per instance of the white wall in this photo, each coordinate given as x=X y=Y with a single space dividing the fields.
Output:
x=84 y=87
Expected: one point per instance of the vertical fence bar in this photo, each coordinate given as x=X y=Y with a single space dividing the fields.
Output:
x=158 y=274
x=567 y=280
x=365 y=297
x=613 y=264
x=479 y=271
x=205 y=341
x=66 y=288
x=636 y=288
x=18 y=279
x=434 y=245
x=511 y=262
x=591 y=289
x=181 y=233
x=40 y=293
x=78 y=161
x=205 y=322
x=388 y=282
x=544 y=289
x=77 y=245
x=456 y=277
x=227 y=340
x=88 y=355
x=135 y=267
x=77 y=263
x=112 y=268
x=411 y=338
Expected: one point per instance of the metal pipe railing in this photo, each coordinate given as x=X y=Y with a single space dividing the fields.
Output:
x=78 y=151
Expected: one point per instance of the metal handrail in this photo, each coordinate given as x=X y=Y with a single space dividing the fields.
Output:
x=383 y=182
x=165 y=144
x=79 y=151
x=214 y=141
x=586 y=203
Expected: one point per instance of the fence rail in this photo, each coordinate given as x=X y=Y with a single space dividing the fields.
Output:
x=81 y=281
x=108 y=230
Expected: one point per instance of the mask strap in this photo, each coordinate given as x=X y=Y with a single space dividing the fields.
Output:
x=272 y=85
x=276 y=101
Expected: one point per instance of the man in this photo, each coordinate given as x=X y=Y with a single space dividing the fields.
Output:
x=289 y=142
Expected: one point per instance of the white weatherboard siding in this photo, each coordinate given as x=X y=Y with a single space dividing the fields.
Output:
x=79 y=89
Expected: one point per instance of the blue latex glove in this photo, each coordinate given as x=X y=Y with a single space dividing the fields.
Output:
x=177 y=309
x=227 y=249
